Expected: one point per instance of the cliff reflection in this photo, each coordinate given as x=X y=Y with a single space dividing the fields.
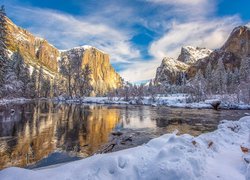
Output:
x=30 y=132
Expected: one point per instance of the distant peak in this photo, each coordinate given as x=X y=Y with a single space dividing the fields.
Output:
x=190 y=54
x=83 y=48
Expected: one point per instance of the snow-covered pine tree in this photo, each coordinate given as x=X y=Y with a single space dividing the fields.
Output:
x=67 y=70
x=219 y=77
x=199 y=86
x=17 y=63
x=245 y=69
x=12 y=85
x=31 y=86
x=40 y=80
x=244 y=86
x=25 y=78
x=86 y=81
x=209 y=78
x=229 y=84
x=3 y=54
x=45 y=89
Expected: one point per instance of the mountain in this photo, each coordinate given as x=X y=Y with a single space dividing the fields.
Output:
x=37 y=52
x=190 y=55
x=103 y=74
x=233 y=53
x=169 y=70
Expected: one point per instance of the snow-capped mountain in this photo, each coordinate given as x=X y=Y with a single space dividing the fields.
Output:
x=233 y=53
x=190 y=54
x=169 y=70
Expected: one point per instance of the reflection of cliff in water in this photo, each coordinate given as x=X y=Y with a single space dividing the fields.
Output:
x=32 y=131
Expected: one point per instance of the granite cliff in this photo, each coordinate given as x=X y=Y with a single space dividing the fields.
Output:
x=234 y=51
x=37 y=52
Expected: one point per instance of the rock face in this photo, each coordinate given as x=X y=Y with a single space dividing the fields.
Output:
x=169 y=70
x=190 y=55
x=104 y=77
x=38 y=52
x=34 y=50
x=233 y=52
x=238 y=42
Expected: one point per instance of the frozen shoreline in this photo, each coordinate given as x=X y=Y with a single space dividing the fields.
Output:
x=212 y=155
x=175 y=101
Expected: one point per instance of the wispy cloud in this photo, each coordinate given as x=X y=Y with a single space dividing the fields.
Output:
x=111 y=25
x=189 y=23
x=66 y=31
x=207 y=33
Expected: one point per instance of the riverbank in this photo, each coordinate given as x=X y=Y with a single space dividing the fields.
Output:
x=175 y=100
x=222 y=154
x=20 y=100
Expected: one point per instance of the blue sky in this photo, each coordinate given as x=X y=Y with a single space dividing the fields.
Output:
x=136 y=33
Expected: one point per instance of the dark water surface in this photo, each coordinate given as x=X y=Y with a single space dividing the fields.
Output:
x=45 y=133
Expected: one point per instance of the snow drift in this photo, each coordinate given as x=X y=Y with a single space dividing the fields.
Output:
x=222 y=154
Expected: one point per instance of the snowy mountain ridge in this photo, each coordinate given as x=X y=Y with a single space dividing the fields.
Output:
x=190 y=54
x=233 y=53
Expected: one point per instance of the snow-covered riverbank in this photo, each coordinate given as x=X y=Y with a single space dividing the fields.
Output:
x=14 y=100
x=222 y=154
x=175 y=100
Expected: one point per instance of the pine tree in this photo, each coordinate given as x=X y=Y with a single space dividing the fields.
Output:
x=209 y=78
x=67 y=69
x=25 y=79
x=245 y=69
x=40 y=80
x=45 y=89
x=86 y=87
x=199 y=84
x=3 y=54
x=31 y=86
x=17 y=63
x=219 y=77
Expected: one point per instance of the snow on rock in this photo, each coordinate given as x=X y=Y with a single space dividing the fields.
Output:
x=215 y=155
x=191 y=54
x=168 y=70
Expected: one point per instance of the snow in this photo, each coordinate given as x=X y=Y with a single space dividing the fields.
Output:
x=84 y=47
x=14 y=100
x=215 y=155
x=248 y=25
x=174 y=100
x=191 y=54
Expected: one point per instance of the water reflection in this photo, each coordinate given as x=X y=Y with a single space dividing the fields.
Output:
x=35 y=130
x=32 y=131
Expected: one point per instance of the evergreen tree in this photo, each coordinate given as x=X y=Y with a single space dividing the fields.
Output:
x=209 y=78
x=220 y=77
x=31 y=86
x=17 y=63
x=25 y=79
x=3 y=54
x=86 y=87
x=67 y=69
x=45 y=89
x=199 y=84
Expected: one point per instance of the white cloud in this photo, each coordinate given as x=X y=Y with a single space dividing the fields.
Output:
x=140 y=71
x=111 y=26
x=193 y=23
x=66 y=31
x=208 y=33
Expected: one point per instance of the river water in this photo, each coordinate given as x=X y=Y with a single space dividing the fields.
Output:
x=37 y=134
